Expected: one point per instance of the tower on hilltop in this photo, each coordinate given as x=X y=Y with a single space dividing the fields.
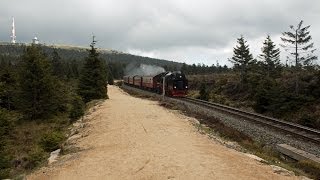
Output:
x=13 y=33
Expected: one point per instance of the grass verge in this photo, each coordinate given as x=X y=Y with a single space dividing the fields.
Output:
x=25 y=145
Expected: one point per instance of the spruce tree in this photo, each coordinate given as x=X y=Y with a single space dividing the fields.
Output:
x=184 y=68
x=57 y=66
x=7 y=86
x=297 y=43
x=270 y=56
x=110 y=79
x=37 y=95
x=242 y=58
x=92 y=82
x=72 y=69
x=204 y=93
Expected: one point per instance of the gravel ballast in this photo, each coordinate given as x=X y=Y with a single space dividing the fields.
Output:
x=268 y=136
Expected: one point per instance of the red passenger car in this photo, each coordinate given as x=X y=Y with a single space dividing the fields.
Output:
x=149 y=82
x=137 y=80
x=126 y=79
x=175 y=83
x=130 y=80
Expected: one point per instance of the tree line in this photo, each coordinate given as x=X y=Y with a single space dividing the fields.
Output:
x=71 y=58
x=41 y=89
x=291 y=92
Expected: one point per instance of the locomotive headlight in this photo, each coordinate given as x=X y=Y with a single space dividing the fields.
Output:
x=186 y=87
x=174 y=87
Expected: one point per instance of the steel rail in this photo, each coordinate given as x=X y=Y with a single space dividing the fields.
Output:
x=298 y=130
x=289 y=127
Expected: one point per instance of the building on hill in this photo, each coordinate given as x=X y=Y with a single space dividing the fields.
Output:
x=35 y=40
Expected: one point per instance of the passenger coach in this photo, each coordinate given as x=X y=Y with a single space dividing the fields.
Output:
x=174 y=83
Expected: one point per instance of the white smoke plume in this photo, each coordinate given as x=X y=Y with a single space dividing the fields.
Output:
x=143 y=70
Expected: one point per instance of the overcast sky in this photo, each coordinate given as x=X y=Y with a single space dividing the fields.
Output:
x=193 y=31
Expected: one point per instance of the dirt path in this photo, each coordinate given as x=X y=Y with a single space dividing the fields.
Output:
x=132 y=138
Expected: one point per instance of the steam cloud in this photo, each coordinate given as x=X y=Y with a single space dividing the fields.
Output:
x=143 y=70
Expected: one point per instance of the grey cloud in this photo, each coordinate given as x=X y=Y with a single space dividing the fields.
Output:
x=171 y=29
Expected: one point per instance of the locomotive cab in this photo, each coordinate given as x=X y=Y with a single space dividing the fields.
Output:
x=176 y=84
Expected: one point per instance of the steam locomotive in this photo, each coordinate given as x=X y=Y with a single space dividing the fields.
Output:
x=174 y=84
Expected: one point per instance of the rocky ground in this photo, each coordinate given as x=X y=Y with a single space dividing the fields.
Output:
x=131 y=138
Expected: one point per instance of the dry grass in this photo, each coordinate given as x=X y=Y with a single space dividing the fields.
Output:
x=311 y=168
x=24 y=146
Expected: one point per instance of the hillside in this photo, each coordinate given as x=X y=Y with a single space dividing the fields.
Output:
x=78 y=53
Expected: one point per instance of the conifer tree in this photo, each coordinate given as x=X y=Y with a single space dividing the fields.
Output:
x=270 y=55
x=110 y=79
x=57 y=66
x=93 y=77
x=242 y=58
x=7 y=85
x=204 y=93
x=297 y=43
x=72 y=69
x=37 y=95
x=184 y=68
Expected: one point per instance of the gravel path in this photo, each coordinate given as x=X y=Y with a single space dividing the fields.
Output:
x=132 y=138
x=262 y=134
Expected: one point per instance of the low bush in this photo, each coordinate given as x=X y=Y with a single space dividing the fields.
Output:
x=118 y=83
x=35 y=157
x=310 y=168
x=6 y=125
x=77 y=109
x=110 y=79
x=218 y=98
x=4 y=165
x=52 y=141
x=204 y=92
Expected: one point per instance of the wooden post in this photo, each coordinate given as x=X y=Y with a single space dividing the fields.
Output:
x=163 y=87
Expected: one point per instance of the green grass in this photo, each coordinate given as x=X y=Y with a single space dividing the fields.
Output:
x=29 y=143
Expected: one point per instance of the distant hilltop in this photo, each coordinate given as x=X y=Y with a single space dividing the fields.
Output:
x=63 y=46
x=70 y=52
x=84 y=48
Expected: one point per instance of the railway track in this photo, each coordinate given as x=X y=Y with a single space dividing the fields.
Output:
x=297 y=130
x=306 y=133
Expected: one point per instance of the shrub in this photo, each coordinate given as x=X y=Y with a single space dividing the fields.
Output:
x=5 y=123
x=52 y=141
x=118 y=83
x=35 y=157
x=309 y=167
x=6 y=126
x=4 y=165
x=110 y=79
x=308 y=119
x=77 y=109
x=204 y=93
x=218 y=98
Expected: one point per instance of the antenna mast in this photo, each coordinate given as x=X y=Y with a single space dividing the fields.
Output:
x=93 y=40
x=13 y=36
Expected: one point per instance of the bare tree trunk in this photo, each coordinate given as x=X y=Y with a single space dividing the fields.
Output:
x=241 y=77
x=297 y=66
